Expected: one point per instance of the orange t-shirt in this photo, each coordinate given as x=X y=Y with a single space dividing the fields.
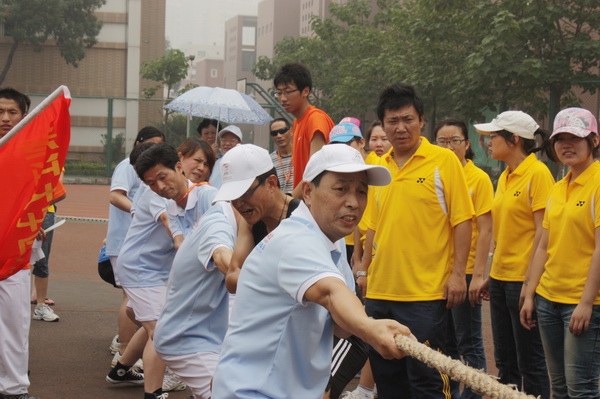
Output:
x=313 y=120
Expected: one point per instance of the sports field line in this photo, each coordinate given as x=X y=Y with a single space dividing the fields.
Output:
x=80 y=219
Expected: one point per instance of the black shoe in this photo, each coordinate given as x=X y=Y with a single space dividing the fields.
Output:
x=119 y=375
x=21 y=396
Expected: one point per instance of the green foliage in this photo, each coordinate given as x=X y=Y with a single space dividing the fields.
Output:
x=76 y=168
x=117 y=147
x=167 y=70
x=71 y=23
x=465 y=57
x=174 y=129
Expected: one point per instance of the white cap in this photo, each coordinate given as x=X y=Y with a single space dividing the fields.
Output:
x=232 y=129
x=516 y=122
x=342 y=158
x=239 y=167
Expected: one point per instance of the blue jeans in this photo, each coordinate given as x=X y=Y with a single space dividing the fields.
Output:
x=466 y=339
x=518 y=352
x=573 y=361
x=40 y=268
x=408 y=377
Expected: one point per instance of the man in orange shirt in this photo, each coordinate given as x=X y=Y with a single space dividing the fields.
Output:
x=311 y=127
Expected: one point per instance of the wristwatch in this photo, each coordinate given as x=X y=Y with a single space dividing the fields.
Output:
x=361 y=274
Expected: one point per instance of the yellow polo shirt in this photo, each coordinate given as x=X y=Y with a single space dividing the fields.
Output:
x=572 y=216
x=482 y=195
x=371 y=159
x=518 y=195
x=413 y=218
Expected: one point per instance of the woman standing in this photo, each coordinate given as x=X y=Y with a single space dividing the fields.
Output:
x=517 y=212
x=564 y=279
x=466 y=317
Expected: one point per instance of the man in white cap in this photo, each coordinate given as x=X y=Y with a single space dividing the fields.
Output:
x=293 y=289
x=228 y=138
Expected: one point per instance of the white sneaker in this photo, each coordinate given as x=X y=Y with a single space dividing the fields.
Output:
x=355 y=395
x=115 y=346
x=115 y=359
x=172 y=382
x=44 y=313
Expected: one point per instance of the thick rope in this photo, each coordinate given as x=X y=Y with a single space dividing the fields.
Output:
x=478 y=380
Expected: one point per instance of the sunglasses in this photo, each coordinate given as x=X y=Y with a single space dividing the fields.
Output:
x=283 y=130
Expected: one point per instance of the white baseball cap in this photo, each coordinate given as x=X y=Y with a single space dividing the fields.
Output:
x=239 y=167
x=516 y=122
x=342 y=158
x=232 y=129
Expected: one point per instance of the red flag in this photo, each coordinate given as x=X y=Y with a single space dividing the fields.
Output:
x=31 y=162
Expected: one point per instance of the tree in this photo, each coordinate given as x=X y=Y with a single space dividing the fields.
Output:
x=71 y=23
x=167 y=70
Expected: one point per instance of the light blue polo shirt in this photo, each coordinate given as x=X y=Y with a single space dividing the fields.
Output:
x=215 y=177
x=196 y=313
x=123 y=178
x=278 y=345
x=147 y=253
x=183 y=221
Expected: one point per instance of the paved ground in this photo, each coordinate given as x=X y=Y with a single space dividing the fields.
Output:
x=70 y=359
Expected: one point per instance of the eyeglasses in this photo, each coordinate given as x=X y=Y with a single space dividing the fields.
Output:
x=283 y=130
x=251 y=191
x=232 y=140
x=285 y=93
x=452 y=142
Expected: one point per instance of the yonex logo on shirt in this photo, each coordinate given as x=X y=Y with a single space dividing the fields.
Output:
x=580 y=203
x=421 y=180
x=517 y=193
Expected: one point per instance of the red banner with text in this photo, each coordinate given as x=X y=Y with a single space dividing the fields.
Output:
x=31 y=163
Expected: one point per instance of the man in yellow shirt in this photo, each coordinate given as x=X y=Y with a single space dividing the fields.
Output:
x=419 y=233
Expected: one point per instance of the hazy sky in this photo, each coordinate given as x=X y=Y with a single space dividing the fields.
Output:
x=199 y=25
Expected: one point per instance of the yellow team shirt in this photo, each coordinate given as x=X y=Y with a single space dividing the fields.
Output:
x=571 y=218
x=482 y=195
x=414 y=218
x=371 y=159
x=518 y=195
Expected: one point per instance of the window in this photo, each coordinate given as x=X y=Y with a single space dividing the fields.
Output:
x=248 y=60
x=214 y=73
x=248 y=36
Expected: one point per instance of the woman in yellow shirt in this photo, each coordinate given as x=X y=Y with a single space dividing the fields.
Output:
x=563 y=281
x=465 y=319
x=517 y=212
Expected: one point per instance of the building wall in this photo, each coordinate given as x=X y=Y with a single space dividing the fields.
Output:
x=131 y=34
x=240 y=49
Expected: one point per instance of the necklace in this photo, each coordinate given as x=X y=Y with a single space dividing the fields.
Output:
x=189 y=190
x=287 y=174
x=283 y=209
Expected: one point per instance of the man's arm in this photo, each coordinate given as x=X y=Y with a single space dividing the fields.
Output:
x=318 y=141
x=119 y=199
x=455 y=289
x=222 y=258
x=361 y=281
x=243 y=246
x=348 y=313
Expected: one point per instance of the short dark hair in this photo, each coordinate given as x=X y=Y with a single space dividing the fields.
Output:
x=396 y=96
x=462 y=126
x=262 y=178
x=287 y=123
x=148 y=132
x=137 y=151
x=551 y=153
x=370 y=130
x=192 y=144
x=206 y=123
x=528 y=145
x=23 y=101
x=294 y=73
x=159 y=154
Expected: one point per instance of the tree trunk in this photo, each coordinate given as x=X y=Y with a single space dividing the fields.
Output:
x=9 y=59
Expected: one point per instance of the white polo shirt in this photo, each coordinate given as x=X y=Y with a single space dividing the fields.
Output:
x=278 y=345
x=196 y=313
x=123 y=178
x=147 y=253
x=183 y=221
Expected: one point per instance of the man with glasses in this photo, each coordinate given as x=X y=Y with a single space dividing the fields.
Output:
x=293 y=84
x=227 y=138
x=282 y=156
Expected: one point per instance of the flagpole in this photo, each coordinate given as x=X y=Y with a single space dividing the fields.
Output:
x=36 y=111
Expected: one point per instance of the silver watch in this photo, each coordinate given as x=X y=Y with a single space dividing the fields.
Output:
x=361 y=274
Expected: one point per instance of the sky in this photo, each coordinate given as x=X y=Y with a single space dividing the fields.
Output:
x=197 y=27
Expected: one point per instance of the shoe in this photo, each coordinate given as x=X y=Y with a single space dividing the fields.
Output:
x=163 y=395
x=45 y=313
x=48 y=302
x=355 y=395
x=121 y=375
x=115 y=359
x=138 y=367
x=20 y=396
x=115 y=346
x=172 y=382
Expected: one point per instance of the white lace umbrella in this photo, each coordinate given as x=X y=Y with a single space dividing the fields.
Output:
x=224 y=105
